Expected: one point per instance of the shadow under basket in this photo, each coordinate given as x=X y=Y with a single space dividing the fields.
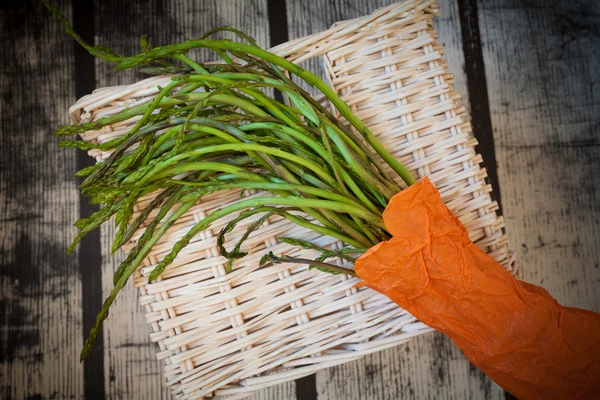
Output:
x=227 y=335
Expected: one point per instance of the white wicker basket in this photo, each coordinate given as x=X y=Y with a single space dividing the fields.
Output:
x=227 y=335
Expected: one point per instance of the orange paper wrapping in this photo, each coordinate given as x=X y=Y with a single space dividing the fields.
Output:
x=513 y=331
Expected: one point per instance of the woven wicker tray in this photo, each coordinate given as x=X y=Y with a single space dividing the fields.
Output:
x=227 y=335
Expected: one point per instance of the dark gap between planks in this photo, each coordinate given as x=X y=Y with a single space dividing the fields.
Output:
x=478 y=96
x=89 y=254
x=306 y=388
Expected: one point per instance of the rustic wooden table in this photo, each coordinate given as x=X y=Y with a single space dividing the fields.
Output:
x=528 y=71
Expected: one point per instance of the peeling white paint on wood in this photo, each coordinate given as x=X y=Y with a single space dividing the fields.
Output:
x=40 y=291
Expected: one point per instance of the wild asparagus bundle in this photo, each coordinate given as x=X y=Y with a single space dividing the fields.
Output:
x=214 y=127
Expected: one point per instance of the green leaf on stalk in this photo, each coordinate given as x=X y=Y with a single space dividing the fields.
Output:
x=265 y=259
x=145 y=43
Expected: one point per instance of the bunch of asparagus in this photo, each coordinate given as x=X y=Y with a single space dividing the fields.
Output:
x=214 y=127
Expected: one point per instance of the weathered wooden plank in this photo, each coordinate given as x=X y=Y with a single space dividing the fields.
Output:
x=543 y=69
x=429 y=366
x=131 y=368
x=40 y=291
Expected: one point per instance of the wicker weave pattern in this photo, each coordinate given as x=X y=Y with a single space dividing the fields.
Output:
x=227 y=335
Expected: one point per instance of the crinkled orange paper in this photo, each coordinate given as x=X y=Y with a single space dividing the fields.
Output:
x=513 y=331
